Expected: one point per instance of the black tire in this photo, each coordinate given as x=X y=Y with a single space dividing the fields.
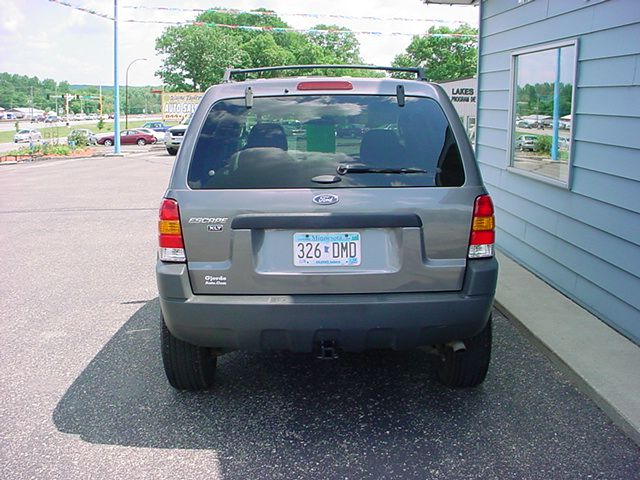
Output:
x=466 y=368
x=142 y=142
x=108 y=143
x=172 y=151
x=187 y=366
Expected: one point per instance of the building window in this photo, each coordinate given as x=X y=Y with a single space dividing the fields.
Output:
x=543 y=90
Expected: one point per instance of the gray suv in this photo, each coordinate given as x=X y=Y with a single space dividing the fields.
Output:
x=278 y=233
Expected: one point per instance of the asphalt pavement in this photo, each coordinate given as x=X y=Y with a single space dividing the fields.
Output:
x=83 y=393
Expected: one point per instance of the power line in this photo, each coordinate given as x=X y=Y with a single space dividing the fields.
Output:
x=82 y=9
x=301 y=30
x=233 y=11
x=268 y=28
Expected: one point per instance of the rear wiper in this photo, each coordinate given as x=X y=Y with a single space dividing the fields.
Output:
x=344 y=169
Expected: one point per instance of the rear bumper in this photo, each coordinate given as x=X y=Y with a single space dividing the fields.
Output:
x=299 y=322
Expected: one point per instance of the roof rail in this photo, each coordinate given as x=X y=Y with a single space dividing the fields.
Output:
x=229 y=72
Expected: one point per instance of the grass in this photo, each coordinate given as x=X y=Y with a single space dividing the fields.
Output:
x=54 y=132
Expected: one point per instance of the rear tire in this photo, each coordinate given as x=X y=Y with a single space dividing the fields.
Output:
x=187 y=366
x=142 y=142
x=467 y=368
x=172 y=151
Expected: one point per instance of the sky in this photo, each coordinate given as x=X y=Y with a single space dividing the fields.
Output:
x=48 y=40
x=540 y=67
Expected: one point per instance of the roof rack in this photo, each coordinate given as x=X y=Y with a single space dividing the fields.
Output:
x=229 y=72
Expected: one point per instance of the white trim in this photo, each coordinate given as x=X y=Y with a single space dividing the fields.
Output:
x=537 y=177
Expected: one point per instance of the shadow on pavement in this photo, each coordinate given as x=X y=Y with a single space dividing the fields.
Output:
x=371 y=415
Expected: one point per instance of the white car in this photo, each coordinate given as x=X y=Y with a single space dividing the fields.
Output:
x=158 y=135
x=29 y=135
x=564 y=143
x=526 y=142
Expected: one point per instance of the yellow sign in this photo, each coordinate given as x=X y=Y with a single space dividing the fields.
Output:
x=178 y=105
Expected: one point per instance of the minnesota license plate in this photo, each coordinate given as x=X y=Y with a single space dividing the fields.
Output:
x=326 y=249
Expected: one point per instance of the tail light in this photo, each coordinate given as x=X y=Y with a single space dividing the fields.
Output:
x=483 y=235
x=171 y=246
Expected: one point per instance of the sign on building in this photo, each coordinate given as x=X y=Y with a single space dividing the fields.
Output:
x=462 y=93
x=178 y=105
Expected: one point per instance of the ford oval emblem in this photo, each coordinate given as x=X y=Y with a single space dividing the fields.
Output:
x=325 y=199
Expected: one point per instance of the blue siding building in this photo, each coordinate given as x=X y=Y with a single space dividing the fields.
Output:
x=558 y=141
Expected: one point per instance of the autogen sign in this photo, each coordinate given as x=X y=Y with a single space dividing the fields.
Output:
x=178 y=105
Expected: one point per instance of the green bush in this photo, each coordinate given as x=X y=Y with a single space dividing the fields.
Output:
x=100 y=123
x=79 y=139
x=543 y=144
x=42 y=148
x=49 y=149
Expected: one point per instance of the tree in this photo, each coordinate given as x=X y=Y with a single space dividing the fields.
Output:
x=443 y=58
x=196 y=56
x=337 y=47
x=263 y=51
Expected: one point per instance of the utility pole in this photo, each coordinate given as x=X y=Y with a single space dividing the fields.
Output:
x=116 y=90
x=66 y=108
x=31 y=104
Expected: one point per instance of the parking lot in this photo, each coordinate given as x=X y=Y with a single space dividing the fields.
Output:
x=83 y=394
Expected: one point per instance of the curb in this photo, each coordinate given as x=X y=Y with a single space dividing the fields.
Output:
x=597 y=360
x=575 y=378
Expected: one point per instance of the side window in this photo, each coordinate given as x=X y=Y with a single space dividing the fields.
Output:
x=542 y=110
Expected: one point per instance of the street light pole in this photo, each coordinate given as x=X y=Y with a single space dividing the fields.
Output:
x=126 y=93
x=116 y=87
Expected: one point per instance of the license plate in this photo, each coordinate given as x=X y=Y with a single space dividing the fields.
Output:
x=326 y=249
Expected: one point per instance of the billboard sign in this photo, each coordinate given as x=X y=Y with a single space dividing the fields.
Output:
x=178 y=105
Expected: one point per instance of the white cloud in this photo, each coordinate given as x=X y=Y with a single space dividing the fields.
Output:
x=12 y=17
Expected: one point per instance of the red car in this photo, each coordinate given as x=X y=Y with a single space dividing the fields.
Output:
x=128 y=137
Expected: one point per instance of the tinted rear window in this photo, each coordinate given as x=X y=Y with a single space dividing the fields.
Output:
x=301 y=141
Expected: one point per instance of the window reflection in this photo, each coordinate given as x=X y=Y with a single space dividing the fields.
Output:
x=544 y=82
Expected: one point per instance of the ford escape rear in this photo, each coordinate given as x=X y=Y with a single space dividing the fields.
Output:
x=304 y=239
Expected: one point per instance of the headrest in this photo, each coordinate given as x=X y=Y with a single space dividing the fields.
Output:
x=267 y=135
x=380 y=148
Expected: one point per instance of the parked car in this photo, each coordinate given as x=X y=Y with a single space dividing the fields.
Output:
x=51 y=119
x=174 y=135
x=156 y=126
x=526 y=142
x=127 y=137
x=350 y=131
x=564 y=143
x=325 y=248
x=157 y=135
x=91 y=137
x=27 y=135
x=527 y=124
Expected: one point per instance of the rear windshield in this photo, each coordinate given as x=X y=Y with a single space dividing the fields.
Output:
x=341 y=141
